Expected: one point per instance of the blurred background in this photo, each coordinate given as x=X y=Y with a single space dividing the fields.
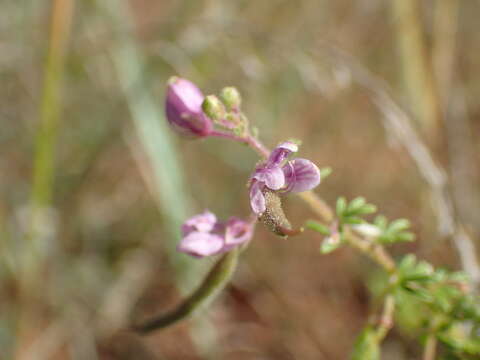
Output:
x=94 y=185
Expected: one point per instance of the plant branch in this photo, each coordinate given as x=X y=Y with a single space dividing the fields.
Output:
x=249 y=140
x=430 y=347
x=386 y=319
x=214 y=283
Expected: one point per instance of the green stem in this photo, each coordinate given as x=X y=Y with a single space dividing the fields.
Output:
x=62 y=13
x=386 y=320
x=214 y=283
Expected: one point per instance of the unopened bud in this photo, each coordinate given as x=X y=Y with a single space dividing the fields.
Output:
x=231 y=98
x=183 y=109
x=213 y=108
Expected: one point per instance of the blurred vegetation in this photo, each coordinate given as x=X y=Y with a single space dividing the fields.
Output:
x=94 y=185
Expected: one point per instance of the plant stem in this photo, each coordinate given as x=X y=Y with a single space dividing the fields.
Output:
x=62 y=13
x=249 y=140
x=430 y=347
x=214 y=283
x=375 y=251
x=318 y=206
x=386 y=320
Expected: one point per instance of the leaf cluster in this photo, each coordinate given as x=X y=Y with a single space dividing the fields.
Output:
x=444 y=296
x=393 y=232
x=351 y=213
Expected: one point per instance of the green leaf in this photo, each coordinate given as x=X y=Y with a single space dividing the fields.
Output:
x=405 y=237
x=316 y=226
x=356 y=204
x=381 y=222
x=367 y=209
x=399 y=225
x=341 y=206
x=353 y=220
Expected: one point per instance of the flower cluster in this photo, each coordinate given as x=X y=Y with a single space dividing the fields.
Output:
x=192 y=114
x=282 y=176
x=203 y=235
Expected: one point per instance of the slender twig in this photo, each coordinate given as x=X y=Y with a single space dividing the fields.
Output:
x=386 y=319
x=430 y=347
x=318 y=206
x=249 y=140
x=375 y=251
x=216 y=281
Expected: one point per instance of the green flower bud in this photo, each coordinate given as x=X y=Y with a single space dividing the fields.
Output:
x=231 y=98
x=213 y=108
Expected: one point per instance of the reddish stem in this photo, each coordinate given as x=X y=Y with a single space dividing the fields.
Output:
x=248 y=139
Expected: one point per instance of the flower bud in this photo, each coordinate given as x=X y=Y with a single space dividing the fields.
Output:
x=183 y=108
x=213 y=108
x=231 y=98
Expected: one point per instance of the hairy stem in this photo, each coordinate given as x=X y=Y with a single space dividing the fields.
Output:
x=214 y=283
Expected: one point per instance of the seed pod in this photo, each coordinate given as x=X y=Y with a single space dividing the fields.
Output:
x=274 y=217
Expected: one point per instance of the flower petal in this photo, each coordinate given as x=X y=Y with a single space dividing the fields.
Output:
x=272 y=177
x=281 y=152
x=204 y=222
x=200 y=244
x=301 y=175
x=257 y=200
x=183 y=108
x=237 y=231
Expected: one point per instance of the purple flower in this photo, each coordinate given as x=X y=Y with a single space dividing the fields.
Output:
x=283 y=176
x=203 y=235
x=183 y=108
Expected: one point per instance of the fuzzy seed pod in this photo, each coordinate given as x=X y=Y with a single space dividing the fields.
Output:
x=274 y=217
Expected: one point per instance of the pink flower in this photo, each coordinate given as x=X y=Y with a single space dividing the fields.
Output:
x=203 y=235
x=183 y=108
x=283 y=176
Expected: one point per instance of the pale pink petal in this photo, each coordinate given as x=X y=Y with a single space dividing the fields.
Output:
x=281 y=152
x=301 y=175
x=257 y=200
x=204 y=222
x=200 y=244
x=272 y=177
x=183 y=107
x=237 y=231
